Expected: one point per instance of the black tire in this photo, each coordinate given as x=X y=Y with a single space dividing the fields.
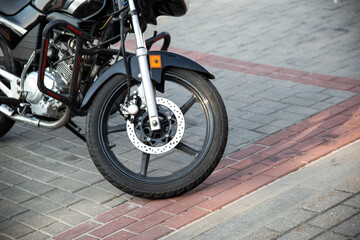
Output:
x=164 y=175
x=6 y=63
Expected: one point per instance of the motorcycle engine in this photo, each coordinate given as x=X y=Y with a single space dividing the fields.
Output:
x=57 y=78
x=42 y=105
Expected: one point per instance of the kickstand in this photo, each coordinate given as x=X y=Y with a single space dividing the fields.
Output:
x=74 y=128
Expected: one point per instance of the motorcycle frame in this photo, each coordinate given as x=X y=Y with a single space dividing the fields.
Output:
x=140 y=71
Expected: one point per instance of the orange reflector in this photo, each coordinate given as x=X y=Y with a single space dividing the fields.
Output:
x=155 y=61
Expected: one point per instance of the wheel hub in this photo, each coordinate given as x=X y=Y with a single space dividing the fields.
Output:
x=172 y=129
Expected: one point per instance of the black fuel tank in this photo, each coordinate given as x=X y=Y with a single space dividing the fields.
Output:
x=83 y=9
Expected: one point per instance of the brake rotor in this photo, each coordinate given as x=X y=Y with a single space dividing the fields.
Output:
x=172 y=129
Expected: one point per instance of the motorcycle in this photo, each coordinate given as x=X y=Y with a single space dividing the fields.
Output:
x=156 y=126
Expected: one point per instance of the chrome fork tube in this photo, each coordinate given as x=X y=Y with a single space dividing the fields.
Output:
x=141 y=54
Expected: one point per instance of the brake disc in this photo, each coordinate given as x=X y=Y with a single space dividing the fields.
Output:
x=172 y=129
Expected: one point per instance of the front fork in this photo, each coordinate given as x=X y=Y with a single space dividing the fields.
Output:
x=142 y=56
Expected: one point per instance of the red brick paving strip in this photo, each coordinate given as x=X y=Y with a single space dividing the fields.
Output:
x=240 y=173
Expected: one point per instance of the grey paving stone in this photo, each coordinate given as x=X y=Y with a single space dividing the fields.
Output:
x=268 y=129
x=338 y=93
x=259 y=118
x=351 y=186
x=350 y=227
x=326 y=201
x=302 y=232
x=301 y=110
x=295 y=117
x=87 y=165
x=118 y=200
x=55 y=228
x=16 y=140
x=10 y=209
x=166 y=165
x=66 y=157
x=271 y=104
x=4 y=186
x=11 y=178
x=259 y=110
x=353 y=202
x=331 y=235
x=309 y=88
x=299 y=101
x=79 y=151
x=14 y=229
x=20 y=128
x=281 y=123
x=36 y=160
x=4 y=158
x=335 y=100
x=3 y=237
x=290 y=220
x=35 y=235
x=62 y=133
x=88 y=208
x=278 y=94
x=333 y=216
x=248 y=135
x=59 y=143
x=16 y=195
x=60 y=168
x=13 y=151
x=318 y=97
x=42 y=149
x=62 y=197
x=41 y=205
x=241 y=98
x=68 y=216
x=322 y=105
x=108 y=187
x=33 y=219
x=42 y=175
x=86 y=177
x=17 y=166
x=35 y=187
x=237 y=140
x=68 y=184
x=262 y=234
x=96 y=195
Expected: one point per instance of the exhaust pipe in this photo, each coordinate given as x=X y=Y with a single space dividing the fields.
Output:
x=34 y=121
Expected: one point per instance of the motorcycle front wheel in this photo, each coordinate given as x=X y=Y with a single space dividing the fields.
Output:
x=163 y=170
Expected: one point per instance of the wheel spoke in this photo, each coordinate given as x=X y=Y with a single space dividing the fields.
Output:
x=144 y=164
x=188 y=104
x=187 y=149
x=118 y=128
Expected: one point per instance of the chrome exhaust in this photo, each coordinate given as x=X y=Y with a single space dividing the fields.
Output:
x=35 y=122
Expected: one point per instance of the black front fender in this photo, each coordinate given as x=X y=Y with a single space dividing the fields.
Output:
x=167 y=59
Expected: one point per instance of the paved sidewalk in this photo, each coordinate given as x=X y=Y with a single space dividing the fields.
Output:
x=319 y=201
x=289 y=75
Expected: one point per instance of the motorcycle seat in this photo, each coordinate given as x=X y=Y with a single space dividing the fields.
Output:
x=13 y=6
